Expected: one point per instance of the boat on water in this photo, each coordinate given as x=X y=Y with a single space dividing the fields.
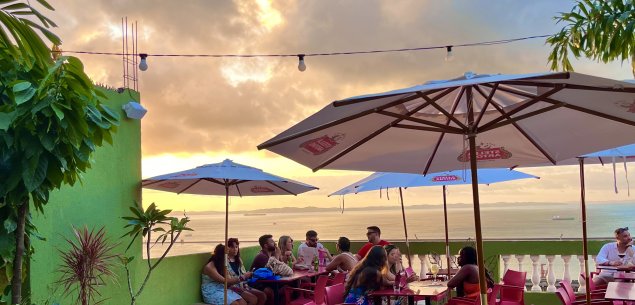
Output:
x=558 y=217
x=254 y=214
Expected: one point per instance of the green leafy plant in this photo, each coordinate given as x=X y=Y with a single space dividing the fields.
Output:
x=87 y=264
x=603 y=30
x=144 y=224
x=51 y=121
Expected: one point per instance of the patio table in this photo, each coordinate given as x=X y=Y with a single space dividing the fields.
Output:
x=416 y=290
x=617 y=268
x=625 y=277
x=296 y=276
x=620 y=291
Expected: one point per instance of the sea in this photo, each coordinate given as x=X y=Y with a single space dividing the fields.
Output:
x=514 y=221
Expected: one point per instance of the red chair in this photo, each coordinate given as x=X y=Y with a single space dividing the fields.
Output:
x=491 y=300
x=579 y=298
x=318 y=297
x=512 y=289
x=592 y=286
x=565 y=300
x=335 y=294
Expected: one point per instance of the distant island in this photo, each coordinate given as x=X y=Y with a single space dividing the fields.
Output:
x=314 y=209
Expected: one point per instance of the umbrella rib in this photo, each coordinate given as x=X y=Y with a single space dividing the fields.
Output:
x=522 y=131
x=572 y=107
x=415 y=127
x=443 y=111
x=379 y=131
x=523 y=116
x=570 y=86
x=457 y=100
x=488 y=100
x=370 y=98
x=282 y=188
x=417 y=120
x=532 y=101
x=336 y=122
x=214 y=181
x=151 y=182
x=188 y=187
x=238 y=190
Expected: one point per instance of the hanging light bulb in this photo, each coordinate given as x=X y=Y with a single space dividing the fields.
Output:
x=143 y=64
x=449 y=56
x=301 y=65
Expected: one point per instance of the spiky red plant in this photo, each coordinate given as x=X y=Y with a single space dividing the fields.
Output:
x=86 y=264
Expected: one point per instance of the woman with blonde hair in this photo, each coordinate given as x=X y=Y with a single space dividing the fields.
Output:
x=285 y=244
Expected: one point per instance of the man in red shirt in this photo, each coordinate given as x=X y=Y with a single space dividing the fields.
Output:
x=374 y=238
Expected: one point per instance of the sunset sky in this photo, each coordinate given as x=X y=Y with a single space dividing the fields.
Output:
x=203 y=110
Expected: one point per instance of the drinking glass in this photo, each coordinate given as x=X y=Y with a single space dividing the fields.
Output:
x=434 y=268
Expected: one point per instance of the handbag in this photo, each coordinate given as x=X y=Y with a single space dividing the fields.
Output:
x=279 y=267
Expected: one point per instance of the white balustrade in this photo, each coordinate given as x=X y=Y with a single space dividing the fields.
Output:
x=520 y=259
x=535 y=277
x=566 y=275
x=505 y=262
x=551 y=275
x=424 y=266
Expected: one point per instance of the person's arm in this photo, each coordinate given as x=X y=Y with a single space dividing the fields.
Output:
x=362 y=252
x=334 y=263
x=210 y=270
x=602 y=258
x=459 y=278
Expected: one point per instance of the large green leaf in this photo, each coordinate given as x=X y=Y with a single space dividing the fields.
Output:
x=6 y=119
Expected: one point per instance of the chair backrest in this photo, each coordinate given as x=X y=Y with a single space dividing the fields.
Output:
x=568 y=289
x=562 y=295
x=516 y=279
x=318 y=293
x=591 y=284
x=339 y=278
x=335 y=294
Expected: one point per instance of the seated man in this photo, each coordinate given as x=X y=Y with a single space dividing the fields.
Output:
x=345 y=261
x=374 y=239
x=268 y=248
x=308 y=250
x=614 y=254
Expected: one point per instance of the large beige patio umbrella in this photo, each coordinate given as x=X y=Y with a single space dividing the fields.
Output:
x=474 y=121
x=226 y=179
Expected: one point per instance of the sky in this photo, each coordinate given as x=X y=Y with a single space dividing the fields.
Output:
x=204 y=110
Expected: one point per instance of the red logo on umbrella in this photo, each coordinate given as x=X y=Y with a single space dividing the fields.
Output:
x=261 y=189
x=445 y=178
x=629 y=106
x=169 y=185
x=486 y=152
x=322 y=144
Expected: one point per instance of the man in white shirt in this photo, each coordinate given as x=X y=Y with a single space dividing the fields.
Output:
x=614 y=254
x=310 y=248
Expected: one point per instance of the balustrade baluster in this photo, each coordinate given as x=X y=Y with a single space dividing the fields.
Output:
x=424 y=266
x=520 y=259
x=505 y=262
x=535 y=277
x=551 y=275
x=582 y=287
x=566 y=275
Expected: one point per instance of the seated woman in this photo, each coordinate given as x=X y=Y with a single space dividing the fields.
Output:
x=236 y=269
x=616 y=253
x=345 y=261
x=213 y=280
x=395 y=265
x=366 y=276
x=466 y=279
x=285 y=244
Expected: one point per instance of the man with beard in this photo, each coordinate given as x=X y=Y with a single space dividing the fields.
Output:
x=268 y=247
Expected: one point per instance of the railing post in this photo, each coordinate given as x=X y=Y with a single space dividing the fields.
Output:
x=520 y=259
x=582 y=286
x=551 y=275
x=535 y=277
x=566 y=275
x=505 y=258
x=424 y=266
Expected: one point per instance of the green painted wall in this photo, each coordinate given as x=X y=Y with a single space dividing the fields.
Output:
x=106 y=193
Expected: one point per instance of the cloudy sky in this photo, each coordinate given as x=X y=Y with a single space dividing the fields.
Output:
x=203 y=110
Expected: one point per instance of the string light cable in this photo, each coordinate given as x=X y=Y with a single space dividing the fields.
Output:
x=143 y=65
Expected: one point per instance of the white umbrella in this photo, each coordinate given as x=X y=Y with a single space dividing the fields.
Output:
x=378 y=181
x=517 y=119
x=229 y=179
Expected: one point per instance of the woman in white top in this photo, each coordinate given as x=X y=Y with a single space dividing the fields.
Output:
x=614 y=254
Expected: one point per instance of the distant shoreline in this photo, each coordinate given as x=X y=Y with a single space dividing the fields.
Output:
x=314 y=209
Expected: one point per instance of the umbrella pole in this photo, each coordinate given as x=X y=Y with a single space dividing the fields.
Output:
x=225 y=241
x=585 y=250
x=447 y=239
x=477 y=220
x=405 y=229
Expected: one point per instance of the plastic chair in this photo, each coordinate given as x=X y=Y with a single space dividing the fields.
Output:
x=579 y=298
x=491 y=300
x=592 y=286
x=318 y=293
x=565 y=300
x=335 y=294
x=338 y=278
x=512 y=288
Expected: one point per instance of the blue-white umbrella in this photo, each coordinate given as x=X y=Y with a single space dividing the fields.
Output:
x=229 y=179
x=378 y=181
